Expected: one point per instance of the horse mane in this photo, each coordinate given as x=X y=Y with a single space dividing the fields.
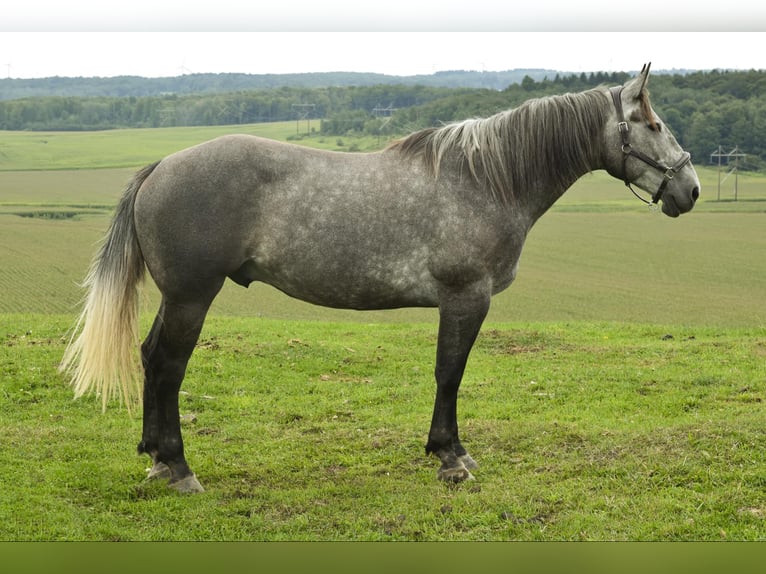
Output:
x=552 y=139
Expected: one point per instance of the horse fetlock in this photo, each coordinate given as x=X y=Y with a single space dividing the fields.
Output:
x=150 y=448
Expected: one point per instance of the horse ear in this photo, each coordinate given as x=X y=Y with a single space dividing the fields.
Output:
x=645 y=75
x=634 y=87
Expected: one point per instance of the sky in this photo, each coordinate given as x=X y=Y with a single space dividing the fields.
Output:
x=168 y=38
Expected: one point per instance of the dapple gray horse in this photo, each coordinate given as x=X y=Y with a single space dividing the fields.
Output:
x=438 y=219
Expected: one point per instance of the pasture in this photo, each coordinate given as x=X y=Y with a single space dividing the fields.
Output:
x=616 y=391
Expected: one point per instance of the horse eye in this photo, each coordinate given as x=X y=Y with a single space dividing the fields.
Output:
x=655 y=127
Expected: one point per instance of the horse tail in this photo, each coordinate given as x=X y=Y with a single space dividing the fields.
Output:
x=103 y=354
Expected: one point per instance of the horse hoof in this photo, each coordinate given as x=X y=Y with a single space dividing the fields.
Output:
x=468 y=462
x=187 y=485
x=159 y=471
x=454 y=475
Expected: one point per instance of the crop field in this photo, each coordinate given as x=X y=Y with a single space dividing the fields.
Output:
x=616 y=391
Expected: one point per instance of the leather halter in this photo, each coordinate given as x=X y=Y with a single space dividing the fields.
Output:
x=627 y=150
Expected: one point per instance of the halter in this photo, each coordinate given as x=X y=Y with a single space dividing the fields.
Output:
x=627 y=150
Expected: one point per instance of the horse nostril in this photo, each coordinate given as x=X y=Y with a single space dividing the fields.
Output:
x=695 y=193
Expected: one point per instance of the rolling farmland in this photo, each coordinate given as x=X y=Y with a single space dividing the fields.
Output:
x=616 y=391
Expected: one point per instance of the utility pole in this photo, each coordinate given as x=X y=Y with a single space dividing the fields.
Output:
x=732 y=155
x=303 y=110
x=383 y=112
x=380 y=111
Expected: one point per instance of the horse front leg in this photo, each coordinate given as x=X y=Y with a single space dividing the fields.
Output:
x=461 y=316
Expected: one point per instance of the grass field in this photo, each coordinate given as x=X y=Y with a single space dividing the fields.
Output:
x=25 y=151
x=315 y=431
x=616 y=392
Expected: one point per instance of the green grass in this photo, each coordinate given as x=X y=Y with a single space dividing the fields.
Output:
x=315 y=431
x=31 y=151
x=616 y=391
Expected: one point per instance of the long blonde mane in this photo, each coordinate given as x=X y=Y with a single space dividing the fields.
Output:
x=552 y=139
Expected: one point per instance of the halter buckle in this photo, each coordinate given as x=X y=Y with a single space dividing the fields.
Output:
x=670 y=173
x=623 y=127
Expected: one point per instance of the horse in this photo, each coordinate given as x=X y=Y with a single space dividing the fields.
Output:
x=436 y=219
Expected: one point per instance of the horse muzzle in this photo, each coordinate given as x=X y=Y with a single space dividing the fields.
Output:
x=672 y=206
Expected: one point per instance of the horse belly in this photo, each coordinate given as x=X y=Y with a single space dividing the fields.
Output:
x=334 y=279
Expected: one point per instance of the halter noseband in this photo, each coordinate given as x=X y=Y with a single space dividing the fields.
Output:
x=627 y=150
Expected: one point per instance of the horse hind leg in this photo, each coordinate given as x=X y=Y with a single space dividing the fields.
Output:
x=166 y=352
x=150 y=439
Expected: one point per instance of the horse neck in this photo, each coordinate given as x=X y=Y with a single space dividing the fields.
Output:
x=560 y=140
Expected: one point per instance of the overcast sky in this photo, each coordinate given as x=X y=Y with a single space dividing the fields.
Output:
x=99 y=38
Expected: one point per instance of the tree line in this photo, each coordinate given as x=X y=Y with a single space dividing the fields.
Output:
x=228 y=108
x=126 y=86
x=703 y=109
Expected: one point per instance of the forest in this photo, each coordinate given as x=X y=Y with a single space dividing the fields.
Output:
x=704 y=110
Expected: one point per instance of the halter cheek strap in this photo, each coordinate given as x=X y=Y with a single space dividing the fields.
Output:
x=627 y=151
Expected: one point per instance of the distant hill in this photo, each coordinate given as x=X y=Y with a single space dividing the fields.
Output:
x=136 y=86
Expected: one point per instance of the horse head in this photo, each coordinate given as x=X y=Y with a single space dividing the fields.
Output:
x=641 y=150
